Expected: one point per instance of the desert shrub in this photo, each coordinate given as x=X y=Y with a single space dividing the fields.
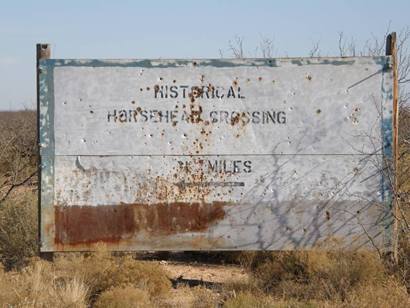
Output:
x=204 y=298
x=388 y=294
x=38 y=286
x=18 y=164
x=77 y=280
x=18 y=151
x=181 y=296
x=101 y=271
x=146 y=275
x=18 y=142
x=18 y=229
x=403 y=267
x=126 y=296
x=317 y=275
x=18 y=208
x=245 y=300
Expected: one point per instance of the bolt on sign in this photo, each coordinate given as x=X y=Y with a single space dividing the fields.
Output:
x=251 y=154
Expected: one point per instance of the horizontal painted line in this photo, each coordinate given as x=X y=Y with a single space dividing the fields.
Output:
x=207 y=184
x=195 y=155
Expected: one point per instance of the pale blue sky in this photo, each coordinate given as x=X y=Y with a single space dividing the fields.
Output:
x=175 y=29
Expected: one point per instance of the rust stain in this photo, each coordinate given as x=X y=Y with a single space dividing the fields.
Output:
x=235 y=119
x=115 y=223
x=177 y=217
x=84 y=224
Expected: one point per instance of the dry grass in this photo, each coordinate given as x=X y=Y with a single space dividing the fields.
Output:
x=245 y=300
x=387 y=294
x=184 y=296
x=298 y=279
x=402 y=270
x=78 y=281
x=39 y=286
x=204 y=298
x=317 y=275
x=318 y=279
x=101 y=271
x=124 y=297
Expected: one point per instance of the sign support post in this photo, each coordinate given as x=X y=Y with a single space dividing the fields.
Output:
x=43 y=51
x=391 y=50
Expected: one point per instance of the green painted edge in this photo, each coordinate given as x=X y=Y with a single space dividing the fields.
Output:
x=221 y=63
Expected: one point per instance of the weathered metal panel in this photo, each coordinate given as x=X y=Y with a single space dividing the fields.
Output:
x=216 y=154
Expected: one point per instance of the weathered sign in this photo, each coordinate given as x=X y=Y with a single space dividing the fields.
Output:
x=215 y=154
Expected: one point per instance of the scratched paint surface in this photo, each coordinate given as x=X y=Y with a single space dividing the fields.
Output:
x=212 y=154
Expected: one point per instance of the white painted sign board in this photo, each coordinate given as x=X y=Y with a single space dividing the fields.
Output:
x=215 y=154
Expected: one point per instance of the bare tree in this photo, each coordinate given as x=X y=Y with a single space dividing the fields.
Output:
x=346 y=48
x=236 y=47
x=376 y=46
x=266 y=48
x=315 y=50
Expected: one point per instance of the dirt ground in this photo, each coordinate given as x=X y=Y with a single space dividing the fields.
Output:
x=191 y=278
x=206 y=273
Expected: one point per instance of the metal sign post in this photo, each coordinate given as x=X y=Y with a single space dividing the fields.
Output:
x=391 y=50
x=43 y=51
